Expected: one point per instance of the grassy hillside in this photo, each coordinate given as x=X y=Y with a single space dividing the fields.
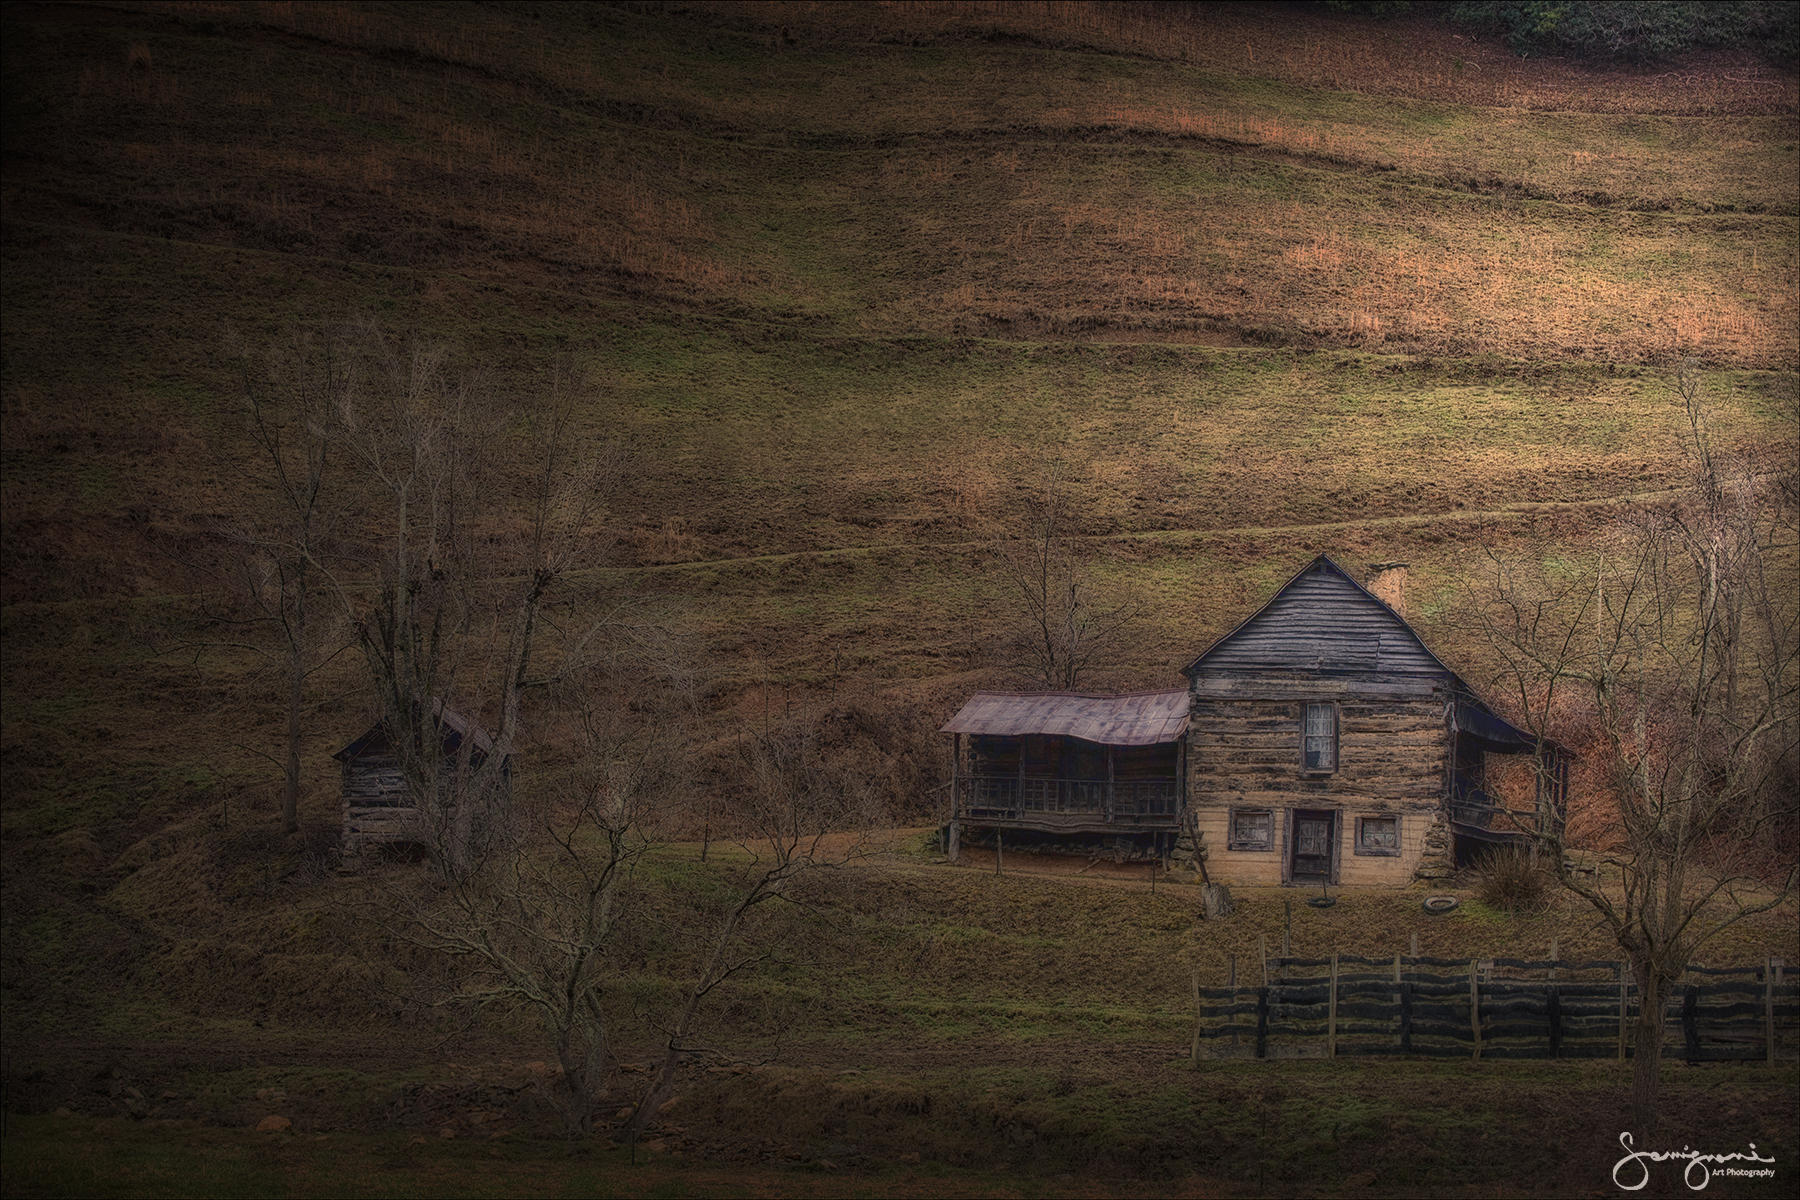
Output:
x=1268 y=280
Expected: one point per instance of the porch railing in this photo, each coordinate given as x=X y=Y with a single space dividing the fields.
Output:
x=1012 y=797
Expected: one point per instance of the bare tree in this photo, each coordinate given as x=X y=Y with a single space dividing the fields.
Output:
x=445 y=602
x=1674 y=658
x=288 y=408
x=265 y=591
x=551 y=917
x=794 y=816
x=537 y=917
x=1061 y=629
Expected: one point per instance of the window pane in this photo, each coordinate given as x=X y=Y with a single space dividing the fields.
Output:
x=1252 y=829
x=1319 y=742
x=1380 y=833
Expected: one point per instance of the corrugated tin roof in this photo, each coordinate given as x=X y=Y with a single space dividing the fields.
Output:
x=1144 y=719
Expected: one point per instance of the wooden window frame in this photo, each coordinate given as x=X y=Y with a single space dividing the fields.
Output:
x=1357 y=847
x=1231 y=840
x=1337 y=739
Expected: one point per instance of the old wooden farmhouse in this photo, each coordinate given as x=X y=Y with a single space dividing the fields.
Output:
x=1319 y=742
x=379 y=808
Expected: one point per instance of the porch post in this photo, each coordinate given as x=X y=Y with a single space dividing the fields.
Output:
x=1109 y=783
x=953 y=837
x=1019 y=800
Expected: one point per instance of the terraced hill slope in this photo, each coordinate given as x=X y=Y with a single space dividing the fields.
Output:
x=847 y=279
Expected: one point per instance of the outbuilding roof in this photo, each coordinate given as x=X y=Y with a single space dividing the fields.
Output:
x=453 y=725
x=1143 y=719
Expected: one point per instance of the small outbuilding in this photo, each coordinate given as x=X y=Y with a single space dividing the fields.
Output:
x=379 y=807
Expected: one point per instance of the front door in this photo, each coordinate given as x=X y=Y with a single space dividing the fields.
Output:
x=1313 y=847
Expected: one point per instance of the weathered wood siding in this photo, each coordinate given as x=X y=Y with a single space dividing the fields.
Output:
x=1323 y=622
x=376 y=805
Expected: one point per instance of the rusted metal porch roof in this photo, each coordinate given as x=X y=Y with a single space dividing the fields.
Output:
x=1144 y=719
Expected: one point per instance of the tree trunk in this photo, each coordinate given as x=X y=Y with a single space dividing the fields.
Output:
x=1646 y=1069
x=290 y=784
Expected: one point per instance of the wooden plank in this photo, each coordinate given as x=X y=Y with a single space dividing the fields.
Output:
x=1475 y=1008
x=1331 y=1020
x=1769 y=1007
x=1690 y=1033
x=1621 y=1012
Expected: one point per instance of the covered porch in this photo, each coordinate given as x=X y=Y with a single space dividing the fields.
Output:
x=1485 y=814
x=1059 y=763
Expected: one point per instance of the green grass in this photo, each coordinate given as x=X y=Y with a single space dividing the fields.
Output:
x=1331 y=1128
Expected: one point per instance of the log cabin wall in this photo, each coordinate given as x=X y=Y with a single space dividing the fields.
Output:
x=1245 y=752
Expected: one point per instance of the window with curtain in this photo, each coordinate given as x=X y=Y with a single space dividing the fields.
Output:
x=1319 y=745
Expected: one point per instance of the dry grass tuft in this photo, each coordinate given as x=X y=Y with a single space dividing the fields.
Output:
x=1510 y=880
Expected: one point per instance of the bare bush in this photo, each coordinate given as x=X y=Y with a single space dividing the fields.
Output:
x=1510 y=880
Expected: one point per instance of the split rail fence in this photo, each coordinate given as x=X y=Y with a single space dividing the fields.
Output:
x=1492 y=1008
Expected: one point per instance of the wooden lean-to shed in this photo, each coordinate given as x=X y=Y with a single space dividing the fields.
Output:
x=379 y=808
x=1050 y=765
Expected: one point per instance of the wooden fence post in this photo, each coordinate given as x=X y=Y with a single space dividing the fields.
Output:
x=1265 y=959
x=999 y=849
x=1553 y=1010
x=1414 y=951
x=1399 y=1003
x=1262 y=1022
x=1331 y=1011
x=1621 y=1012
x=1194 y=1054
x=1769 y=1008
x=1234 y=1000
x=1690 y=1023
x=1475 y=1006
x=1552 y=958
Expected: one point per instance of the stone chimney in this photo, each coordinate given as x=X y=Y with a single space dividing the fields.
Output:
x=1387 y=581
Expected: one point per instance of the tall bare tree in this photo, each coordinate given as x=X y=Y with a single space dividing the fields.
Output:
x=267 y=590
x=541 y=915
x=450 y=601
x=1674 y=657
x=1061 y=627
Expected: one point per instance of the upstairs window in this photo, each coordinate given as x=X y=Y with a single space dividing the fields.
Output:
x=1319 y=743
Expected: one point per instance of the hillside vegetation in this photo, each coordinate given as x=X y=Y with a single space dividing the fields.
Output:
x=1269 y=281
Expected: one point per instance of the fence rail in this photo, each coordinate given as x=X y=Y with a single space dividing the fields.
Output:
x=1493 y=1008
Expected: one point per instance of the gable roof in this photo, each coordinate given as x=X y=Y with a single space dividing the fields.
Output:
x=456 y=725
x=1322 y=612
x=1142 y=719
